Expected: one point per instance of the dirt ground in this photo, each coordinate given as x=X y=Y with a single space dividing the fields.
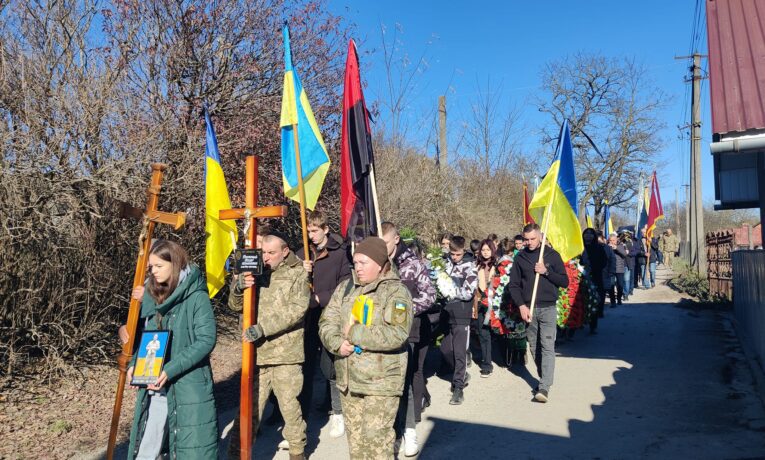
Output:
x=72 y=418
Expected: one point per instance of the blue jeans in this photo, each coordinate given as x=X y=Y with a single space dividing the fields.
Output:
x=627 y=281
x=652 y=272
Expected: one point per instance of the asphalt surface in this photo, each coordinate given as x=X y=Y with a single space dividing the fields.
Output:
x=661 y=379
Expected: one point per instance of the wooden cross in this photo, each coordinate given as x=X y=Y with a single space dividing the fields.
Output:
x=149 y=217
x=251 y=212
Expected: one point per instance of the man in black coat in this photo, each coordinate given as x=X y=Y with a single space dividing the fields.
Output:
x=596 y=261
x=543 y=324
x=329 y=265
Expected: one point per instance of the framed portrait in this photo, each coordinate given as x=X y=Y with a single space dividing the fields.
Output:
x=152 y=351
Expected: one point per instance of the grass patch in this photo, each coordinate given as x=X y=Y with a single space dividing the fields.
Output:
x=689 y=282
x=60 y=426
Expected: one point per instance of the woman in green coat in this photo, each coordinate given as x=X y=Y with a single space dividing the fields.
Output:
x=178 y=411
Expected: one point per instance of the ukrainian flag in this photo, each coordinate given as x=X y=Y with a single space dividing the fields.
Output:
x=220 y=234
x=297 y=115
x=554 y=204
x=607 y=219
x=587 y=215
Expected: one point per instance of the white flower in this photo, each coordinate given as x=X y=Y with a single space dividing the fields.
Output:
x=445 y=285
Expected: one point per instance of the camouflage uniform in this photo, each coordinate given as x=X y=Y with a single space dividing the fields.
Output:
x=671 y=245
x=283 y=297
x=370 y=382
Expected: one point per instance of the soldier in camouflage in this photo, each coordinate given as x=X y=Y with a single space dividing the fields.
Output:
x=283 y=297
x=371 y=359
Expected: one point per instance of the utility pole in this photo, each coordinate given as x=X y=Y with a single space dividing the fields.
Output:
x=442 y=130
x=697 y=239
x=687 y=216
x=677 y=213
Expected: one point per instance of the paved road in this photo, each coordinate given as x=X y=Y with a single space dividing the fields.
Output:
x=658 y=381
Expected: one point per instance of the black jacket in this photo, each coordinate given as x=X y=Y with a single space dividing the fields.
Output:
x=654 y=250
x=621 y=257
x=522 y=275
x=331 y=266
x=595 y=260
x=632 y=249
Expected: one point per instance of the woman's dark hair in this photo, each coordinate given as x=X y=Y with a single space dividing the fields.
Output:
x=590 y=230
x=508 y=245
x=475 y=246
x=483 y=262
x=178 y=258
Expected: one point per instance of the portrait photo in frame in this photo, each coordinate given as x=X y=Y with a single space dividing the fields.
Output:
x=152 y=351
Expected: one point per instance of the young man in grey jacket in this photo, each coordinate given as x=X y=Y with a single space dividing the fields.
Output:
x=458 y=312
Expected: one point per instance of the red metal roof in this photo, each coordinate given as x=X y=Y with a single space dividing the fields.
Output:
x=736 y=37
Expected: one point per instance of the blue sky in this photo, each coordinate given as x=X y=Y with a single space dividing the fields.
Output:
x=509 y=42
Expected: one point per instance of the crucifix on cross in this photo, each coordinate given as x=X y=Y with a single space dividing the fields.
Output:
x=249 y=213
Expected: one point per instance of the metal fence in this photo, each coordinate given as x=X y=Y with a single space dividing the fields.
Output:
x=749 y=299
x=719 y=247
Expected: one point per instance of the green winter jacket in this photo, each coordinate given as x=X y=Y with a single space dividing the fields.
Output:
x=380 y=368
x=283 y=296
x=192 y=426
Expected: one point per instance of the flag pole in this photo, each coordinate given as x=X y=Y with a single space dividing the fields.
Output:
x=374 y=198
x=301 y=193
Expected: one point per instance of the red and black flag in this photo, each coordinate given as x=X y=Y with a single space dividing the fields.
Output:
x=527 y=219
x=358 y=203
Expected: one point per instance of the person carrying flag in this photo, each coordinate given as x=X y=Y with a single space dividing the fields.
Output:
x=536 y=274
x=543 y=324
x=329 y=265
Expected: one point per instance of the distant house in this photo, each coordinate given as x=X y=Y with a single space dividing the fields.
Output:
x=742 y=234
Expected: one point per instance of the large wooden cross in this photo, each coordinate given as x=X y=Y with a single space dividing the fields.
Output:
x=251 y=212
x=149 y=217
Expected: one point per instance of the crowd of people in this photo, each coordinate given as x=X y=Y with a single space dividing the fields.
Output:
x=367 y=317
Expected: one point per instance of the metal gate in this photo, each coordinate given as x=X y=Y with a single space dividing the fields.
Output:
x=720 y=245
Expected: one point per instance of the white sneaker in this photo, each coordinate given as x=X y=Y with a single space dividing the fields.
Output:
x=410 y=443
x=284 y=445
x=336 y=425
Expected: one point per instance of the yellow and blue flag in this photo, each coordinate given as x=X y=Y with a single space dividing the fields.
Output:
x=609 y=225
x=554 y=205
x=362 y=310
x=297 y=115
x=220 y=234
x=589 y=219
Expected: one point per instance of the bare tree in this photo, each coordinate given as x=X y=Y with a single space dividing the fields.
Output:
x=613 y=110
x=85 y=113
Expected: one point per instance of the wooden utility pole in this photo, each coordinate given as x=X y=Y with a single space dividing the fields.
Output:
x=687 y=215
x=677 y=212
x=698 y=255
x=442 y=157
